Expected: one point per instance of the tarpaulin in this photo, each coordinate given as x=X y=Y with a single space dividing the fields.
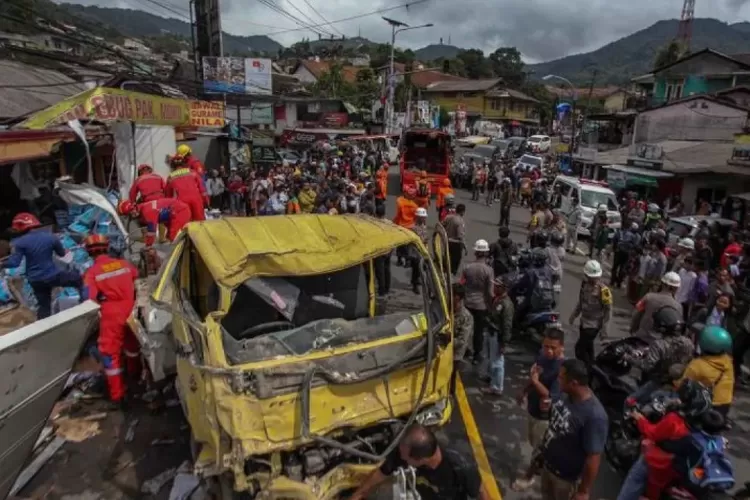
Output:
x=113 y=105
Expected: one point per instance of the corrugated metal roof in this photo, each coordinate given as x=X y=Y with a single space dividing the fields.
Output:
x=25 y=89
x=681 y=157
x=515 y=94
x=424 y=78
x=464 y=85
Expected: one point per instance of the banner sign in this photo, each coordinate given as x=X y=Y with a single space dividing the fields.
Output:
x=115 y=105
x=207 y=114
x=235 y=75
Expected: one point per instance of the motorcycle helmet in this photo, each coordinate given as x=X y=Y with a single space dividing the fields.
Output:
x=667 y=320
x=539 y=239
x=695 y=398
x=653 y=208
x=539 y=257
x=715 y=340
x=557 y=239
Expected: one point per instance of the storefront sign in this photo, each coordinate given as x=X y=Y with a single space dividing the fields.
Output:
x=587 y=154
x=207 y=114
x=334 y=120
x=616 y=179
x=115 y=105
x=264 y=154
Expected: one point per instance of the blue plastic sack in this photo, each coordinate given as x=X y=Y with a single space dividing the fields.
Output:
x=84 y=223
x=5 y=295
x=28 y=296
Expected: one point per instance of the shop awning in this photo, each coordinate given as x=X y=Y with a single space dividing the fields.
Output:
x=641 y=180
x=114 y=105
x=640 y=172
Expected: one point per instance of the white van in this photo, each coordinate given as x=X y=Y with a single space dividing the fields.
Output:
x=591 y=194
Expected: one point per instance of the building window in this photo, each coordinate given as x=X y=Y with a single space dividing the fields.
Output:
x=57 y=43
x=673 y=91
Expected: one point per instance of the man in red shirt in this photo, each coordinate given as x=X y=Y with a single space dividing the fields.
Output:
x=734 y=249
x=148 y=185
x=171 y=211
x=187 y=186
x=111 y=283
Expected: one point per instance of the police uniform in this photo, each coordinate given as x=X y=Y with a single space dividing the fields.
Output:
x=595 y=308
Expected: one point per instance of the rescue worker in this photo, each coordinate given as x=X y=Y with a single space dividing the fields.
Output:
x=449 y=207
x=381 y=188
x=111 y=283
x=594 y=306
x=170 y=211
x=477 y=278
x=406 y=213
x=187 y=186
x=641 y=325
x=423 y=190
x=624 y=243
x=148 y=185
x=42 y=273
x=190 y=161
x=442 y=192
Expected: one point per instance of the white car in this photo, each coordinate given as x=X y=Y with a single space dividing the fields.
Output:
x=540 y=143
x=528 y=162
x=591 y=194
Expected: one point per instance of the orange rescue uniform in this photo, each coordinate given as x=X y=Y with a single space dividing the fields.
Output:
x=150 y=186
x=406 y=212
x=442 y=192
x=187 y=186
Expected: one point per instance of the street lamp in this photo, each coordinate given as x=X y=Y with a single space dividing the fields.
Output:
x=573 y=120
x=396 y=27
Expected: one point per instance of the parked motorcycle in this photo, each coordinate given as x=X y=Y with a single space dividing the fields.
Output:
x=613 y=383
x=533 y=324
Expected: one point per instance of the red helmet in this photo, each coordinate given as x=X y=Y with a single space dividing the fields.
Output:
x=144 y=166
x=25 y=221
x=96 y=242
x=126 y=207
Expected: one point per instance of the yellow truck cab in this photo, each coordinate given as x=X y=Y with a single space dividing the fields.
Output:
x=296 y=379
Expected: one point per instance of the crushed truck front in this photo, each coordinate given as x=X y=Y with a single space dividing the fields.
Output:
x=294 y=377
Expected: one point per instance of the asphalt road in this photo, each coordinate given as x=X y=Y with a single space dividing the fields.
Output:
x=491 y=430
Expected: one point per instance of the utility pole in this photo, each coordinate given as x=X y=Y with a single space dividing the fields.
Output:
x=588 y=100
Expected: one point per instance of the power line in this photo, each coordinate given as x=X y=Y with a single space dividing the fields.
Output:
x=307 y=17
x=321 y=16
x=182 y=14
x=345 y=19
x=296 y=20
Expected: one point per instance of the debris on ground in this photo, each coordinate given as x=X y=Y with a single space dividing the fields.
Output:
x=130 y=434
x=185 y=484
x=77 y=429
x=153 y=485
x=36 y=464
x=162 y=442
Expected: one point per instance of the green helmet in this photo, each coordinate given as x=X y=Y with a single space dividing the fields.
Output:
x=715 y=340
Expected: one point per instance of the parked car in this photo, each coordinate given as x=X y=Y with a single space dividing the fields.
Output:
x=540 y=143
x=688 y=226
x=591 y=194
x=504 y=146
x=519 y=145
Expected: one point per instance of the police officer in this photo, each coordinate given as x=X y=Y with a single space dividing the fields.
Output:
x=641 y=324
x=595 y=309
x=625 y=242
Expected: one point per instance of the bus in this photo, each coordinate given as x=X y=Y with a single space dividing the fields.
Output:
x=425 y=149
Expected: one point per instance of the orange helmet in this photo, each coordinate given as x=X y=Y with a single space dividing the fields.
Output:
x=126 y=207
x=25 y=221
x=96 y=242
x=144 y=166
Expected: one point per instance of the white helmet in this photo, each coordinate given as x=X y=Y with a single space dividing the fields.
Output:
x=602 y=208
x=686 y=243
x=421 y=212
x=653 y=207
x=481 y=246
x=671 y=279
x=592 y=269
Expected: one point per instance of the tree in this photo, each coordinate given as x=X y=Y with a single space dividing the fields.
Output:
x=332 y=83
x=475 y=64
x=366 y=88
x=668 y=54
x=507 y=64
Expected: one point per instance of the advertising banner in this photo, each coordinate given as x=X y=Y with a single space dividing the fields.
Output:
x=207 y=114
x=235 y=75
x=115 y=105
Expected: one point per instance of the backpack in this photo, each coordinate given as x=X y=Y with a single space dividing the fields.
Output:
x=713 y=470
x=543 y=295
x=422 y=190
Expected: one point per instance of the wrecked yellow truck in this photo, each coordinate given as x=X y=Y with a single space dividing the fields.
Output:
x=295 y=377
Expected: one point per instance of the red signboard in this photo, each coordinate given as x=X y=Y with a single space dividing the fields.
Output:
x=334 y=120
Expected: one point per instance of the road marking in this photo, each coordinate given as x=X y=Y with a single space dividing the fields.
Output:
x=475 y=440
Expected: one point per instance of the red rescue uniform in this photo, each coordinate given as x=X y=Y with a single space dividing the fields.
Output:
x=111 y=283
x=170 y=210
x=195 y=165
x=150 y=186
x=187 y=186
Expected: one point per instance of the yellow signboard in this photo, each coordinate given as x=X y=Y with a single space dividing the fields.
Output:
x=108 y=105
x=742 y=139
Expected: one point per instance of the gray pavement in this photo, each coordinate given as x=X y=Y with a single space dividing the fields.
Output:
x=501 y=421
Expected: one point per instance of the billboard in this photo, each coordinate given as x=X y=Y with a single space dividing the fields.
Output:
x=235 y=75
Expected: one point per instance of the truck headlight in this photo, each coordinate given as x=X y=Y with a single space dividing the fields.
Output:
x=433 y=414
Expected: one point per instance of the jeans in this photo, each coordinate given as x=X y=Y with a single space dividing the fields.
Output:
x=43 y=290
x=635 y=482
x=494 y=363
x=236 y=203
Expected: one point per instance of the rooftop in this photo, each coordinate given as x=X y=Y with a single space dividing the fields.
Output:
x=684 y=157
x=424 y=78
x=25 y=89
x=515 y=94
x=317 y=68
x=464 y=85
x=596 y=93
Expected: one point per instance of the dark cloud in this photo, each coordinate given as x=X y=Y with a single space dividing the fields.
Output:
x=541 y=29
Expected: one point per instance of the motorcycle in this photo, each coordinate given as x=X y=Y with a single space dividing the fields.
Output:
x=534 y=323
x=612 y=383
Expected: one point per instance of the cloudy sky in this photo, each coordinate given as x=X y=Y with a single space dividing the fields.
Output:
x=541 y=29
